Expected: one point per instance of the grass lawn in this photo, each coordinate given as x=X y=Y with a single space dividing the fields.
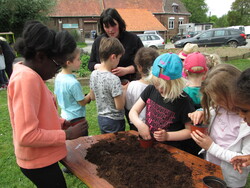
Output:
x=11 y=176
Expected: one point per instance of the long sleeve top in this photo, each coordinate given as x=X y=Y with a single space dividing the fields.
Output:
x=37 y=135
x=239 y=146
x=131 y=44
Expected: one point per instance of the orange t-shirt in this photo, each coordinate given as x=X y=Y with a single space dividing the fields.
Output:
x=37 y=135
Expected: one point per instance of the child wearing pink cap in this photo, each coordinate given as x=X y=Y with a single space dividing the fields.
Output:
x=195 y=69
x=167 y=106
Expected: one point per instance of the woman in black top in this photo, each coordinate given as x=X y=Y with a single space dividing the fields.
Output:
x=112 y=25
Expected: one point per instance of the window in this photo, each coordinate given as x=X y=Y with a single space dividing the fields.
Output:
x=219 y=33
x=175 y=7
x=155 y=37
x=207 y=34
x=171 y=23
x=180 y=20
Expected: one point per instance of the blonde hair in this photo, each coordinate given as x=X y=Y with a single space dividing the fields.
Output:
x=171 y=89
x=195 y=74
x=212 y=60
x=218 y=85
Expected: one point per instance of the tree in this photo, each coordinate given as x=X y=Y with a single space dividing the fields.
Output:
x=198 y=10
x=222 y=21
x=14 y=13
x=240 y=13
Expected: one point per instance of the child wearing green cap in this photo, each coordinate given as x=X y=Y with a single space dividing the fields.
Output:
x=167 y=106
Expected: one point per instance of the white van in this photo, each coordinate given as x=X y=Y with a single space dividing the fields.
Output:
x=247 y=31
x=240 y=27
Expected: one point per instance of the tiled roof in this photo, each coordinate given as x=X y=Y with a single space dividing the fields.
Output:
x=81 y=8
x=155 y=6
x=75 y=8
x=140 y=20
x=181 y=7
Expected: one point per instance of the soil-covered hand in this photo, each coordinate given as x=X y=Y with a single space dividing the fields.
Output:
x=76 y=131
x=201 y=139
x=240 y=161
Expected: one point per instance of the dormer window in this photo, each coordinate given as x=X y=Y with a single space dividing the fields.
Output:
x=175 y=7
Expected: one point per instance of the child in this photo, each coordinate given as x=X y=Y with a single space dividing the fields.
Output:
x=167 y=106
x=3 y=78
x=212 y=60
x=195 y=69
x=106 y=87
x=228 y=135
x=38 y=138
x=144 y=59
x=69 y=92
x=188 y=49
x=241 y=96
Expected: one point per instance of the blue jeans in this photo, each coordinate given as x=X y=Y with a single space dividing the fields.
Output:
x=108 y=125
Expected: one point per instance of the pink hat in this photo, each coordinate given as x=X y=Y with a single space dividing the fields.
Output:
x=195 y=59
x=188 y=49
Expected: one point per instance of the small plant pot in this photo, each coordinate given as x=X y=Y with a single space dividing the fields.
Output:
x=124 y=82
x=213 y=182
x=146 y=143
x=201 y=127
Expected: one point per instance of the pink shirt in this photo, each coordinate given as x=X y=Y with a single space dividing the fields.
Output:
x=225 y=129
x=37 y=135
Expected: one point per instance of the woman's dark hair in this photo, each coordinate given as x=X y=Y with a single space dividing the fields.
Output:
x=107 y=18
x=36 y=37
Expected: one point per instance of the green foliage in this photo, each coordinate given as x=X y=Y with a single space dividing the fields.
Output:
x=221 y=22
x=81 y=44
x=84 y=71
x=240 y=13
x=14 y=13
x=76 y=34
x=198 y=10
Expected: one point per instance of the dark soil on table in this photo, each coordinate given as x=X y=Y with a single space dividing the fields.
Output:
x=123 y=163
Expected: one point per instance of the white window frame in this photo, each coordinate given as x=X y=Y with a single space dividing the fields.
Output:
x=171 y=23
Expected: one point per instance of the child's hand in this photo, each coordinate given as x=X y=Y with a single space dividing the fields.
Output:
x=144 y=132
x=201 y=139
x=160 y=135
x=240 y=161
x=77 y=130
x=196 y=117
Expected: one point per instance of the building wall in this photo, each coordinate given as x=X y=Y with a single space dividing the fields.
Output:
x=164 y=19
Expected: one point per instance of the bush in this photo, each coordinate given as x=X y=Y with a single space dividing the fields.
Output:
x=84 y=71
x=76 y=34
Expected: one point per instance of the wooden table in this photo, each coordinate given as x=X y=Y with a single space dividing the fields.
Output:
x=86 y=171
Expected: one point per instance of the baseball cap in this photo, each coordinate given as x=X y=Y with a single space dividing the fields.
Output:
x=188 y=49
x=167 y=66
x=195 y=59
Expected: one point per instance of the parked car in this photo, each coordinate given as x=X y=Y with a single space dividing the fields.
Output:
x=216 y=37
x=152 y=40
x=179 y=36
x=193 y=33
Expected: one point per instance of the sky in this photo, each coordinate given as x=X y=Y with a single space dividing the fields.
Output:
x=219 y=7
